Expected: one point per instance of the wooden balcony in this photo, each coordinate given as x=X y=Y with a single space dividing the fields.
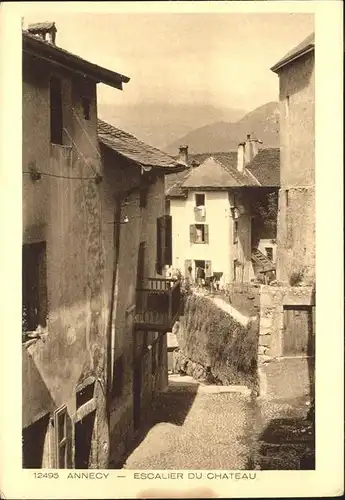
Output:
x=158 y=304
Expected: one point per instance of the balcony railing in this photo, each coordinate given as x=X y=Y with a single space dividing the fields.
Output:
x=158 y=304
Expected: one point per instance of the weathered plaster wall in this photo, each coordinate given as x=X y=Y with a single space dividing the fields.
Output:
x=296 y=217
x=124 y=342
x=66 y=214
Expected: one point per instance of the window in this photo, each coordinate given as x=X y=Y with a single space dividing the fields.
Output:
x=34 y=286
x=287 y=106
x=141 y=264
x=143 y=198
x=199 y=233
x=56 y=115
x=86 y=108
x=269 y=252
x=199 y=200
x=235 y=238
x=84 y=394
x=60 y=425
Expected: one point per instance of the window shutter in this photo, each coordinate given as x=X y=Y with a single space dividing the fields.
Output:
x=160 y=242
x=141 y=265
x=192 y=233
x=208 y=269
x=206 y=233
x=187 y=264
x=168 y=240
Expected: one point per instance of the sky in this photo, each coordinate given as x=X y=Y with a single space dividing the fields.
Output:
x=217 y=59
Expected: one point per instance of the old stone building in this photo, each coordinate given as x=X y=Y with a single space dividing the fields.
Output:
x=287 y=310
x=93 y=197
x=296 y=219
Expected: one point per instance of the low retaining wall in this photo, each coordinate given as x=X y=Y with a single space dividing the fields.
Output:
x=184 y=365
x=213 y=341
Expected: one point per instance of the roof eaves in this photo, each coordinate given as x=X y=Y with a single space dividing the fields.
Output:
x=45 y=50
x=295 y=54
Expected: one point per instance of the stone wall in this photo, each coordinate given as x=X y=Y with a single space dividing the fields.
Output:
x=212 y=339
x=272 y=302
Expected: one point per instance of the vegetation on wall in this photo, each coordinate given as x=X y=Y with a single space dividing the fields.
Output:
x=211 y=337
x=265 y=211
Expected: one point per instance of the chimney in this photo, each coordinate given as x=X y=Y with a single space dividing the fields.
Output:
x=251 y=149
x=240 y=156
x=183 y=154
x=46 y=31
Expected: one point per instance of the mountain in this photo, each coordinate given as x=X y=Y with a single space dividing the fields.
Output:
x=262 y=123
x=161 y=124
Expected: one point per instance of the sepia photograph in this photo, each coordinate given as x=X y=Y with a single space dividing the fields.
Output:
x=168 y=254
x=168 y=242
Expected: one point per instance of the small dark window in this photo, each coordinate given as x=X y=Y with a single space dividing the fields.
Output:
x=86 y=108
x=34 y=286
x=85 y=394
x=56 y=114
x=143 y=198
x=199 y=200
x=287 y=106
x=269 y=252
x=117 y=388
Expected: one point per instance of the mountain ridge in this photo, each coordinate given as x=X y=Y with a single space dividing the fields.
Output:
x=159 y=124
x=262 y=123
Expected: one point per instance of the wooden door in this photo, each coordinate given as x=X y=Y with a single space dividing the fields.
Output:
x=298 y=331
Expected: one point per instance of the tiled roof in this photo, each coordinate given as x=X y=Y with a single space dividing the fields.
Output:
x=211 y=174
x=265 y=167
x=221 y=172
x=47 y=25
x=307 y=45
x=135 y=150
x=38 y=47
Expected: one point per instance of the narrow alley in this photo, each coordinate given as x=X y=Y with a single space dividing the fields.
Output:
x=196 y=426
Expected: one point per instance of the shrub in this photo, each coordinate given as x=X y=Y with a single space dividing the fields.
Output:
x=296 y=277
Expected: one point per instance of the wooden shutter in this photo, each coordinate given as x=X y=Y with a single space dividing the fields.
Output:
x=192 y=233
x=206 y=233
x=141 y=264
x=160 y=247
x=56 y=113
x=168 y=240
x=208 y=269
x=187 y=264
